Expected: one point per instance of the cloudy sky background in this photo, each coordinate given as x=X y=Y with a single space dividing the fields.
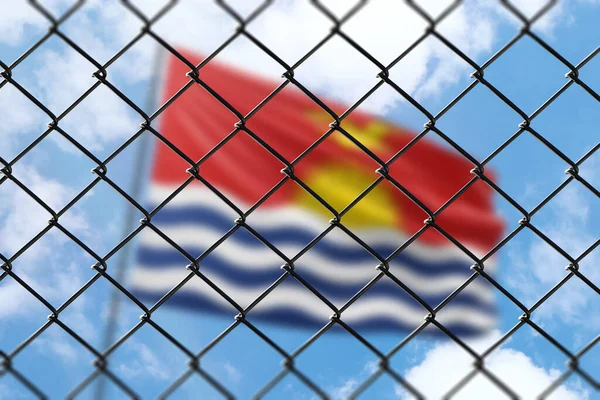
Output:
x=56 y=171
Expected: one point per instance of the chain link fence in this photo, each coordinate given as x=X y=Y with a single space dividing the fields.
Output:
x=102 y=364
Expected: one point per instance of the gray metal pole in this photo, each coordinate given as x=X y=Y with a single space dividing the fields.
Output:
x=123 y=261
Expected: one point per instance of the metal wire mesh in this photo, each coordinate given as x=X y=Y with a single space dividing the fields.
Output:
x=244 y=317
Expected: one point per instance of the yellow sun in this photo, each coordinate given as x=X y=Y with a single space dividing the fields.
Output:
x=372 y=135
x=339 y=185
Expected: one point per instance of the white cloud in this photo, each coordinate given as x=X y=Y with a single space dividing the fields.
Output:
x=61 y=75
x=19 y=117
x=16 y=19
x=101 y=28
x=348 y=386
x=56 y=341
x=537 y=266
x=143 y=362
x=338 y=69
x=346 y=389
x=233 y=374
x=512 y=367
x=9 y=392
x=21 y=219
x=102 y=118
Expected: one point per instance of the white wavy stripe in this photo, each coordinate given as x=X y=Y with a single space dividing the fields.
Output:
x=423 y=285
x=291 y=298
x=357 y=273
x=298 y=218
x=259 y=256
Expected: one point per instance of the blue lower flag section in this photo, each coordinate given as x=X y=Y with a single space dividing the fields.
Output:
x=336 y=266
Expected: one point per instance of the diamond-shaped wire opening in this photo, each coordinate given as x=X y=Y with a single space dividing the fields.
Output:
x=343 y=84
x=472 y=312
x=290 y=122
x=567 y=312
x=385 y=308
x=394 y=19
x=300 y=22
x=243 y=170
x=291 y=303
x=101 y=122
x=338 y=183
x=413 y=273
x=244 y=350
x=55 y=356
x=301 y=325
x=430 y=173
x=471 y=219
x=195 y=218
x=243 y=88
x=539 y=83
x=54 y=266
x=147 y=362
x=108 y=28
x=20 y=207
x=381 y=218
x=157 y=272
x=487 y=128
x=56 y=168
x=527 y=181
x=216 y=28
x=214 y=321
x=432 y=74
x=328 y=369
x=518 y=349
x=183 y=104
x=568 y=121
x=289 y=225
x=22 y=120
x=566 y=219
x=530 y=276
x=243 y=266
x=98 y=227
x=28 y=31
x=473 y=31
x=62 y=74
x=499 y=364
x=89 y=313
x=464 y=306
x=337 y=267
x=175 y=295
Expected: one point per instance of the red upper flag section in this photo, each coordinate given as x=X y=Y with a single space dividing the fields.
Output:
x=290 y=122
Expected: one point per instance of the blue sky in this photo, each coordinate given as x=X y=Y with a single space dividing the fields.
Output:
x=526 y=170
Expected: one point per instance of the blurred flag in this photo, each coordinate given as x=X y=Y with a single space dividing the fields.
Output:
x=337 y=266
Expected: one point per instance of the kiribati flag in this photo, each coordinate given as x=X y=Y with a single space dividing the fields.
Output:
x=306 y=240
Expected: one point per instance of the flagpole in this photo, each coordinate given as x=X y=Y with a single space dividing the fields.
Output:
x=130 y=222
